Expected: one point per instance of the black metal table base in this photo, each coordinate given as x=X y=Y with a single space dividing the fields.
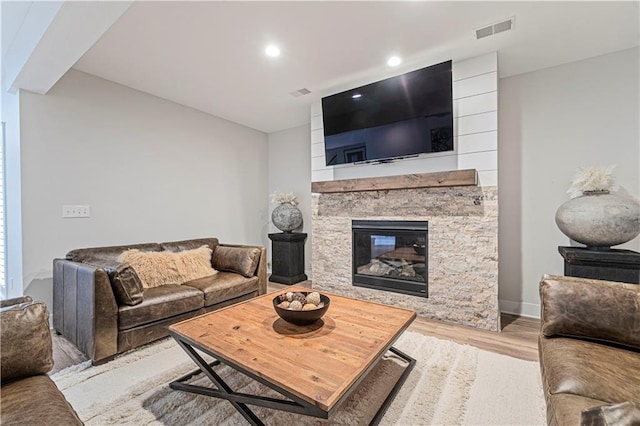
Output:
x=293 y=405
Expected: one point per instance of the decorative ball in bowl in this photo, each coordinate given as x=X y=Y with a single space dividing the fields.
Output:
x=301 y=308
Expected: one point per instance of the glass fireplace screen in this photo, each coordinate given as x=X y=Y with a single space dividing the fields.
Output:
x=391 y=255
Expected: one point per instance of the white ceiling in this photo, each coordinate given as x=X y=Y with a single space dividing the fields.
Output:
x=209 y=55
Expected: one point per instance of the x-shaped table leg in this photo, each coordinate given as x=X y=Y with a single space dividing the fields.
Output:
x=294 y=405
x=240 y=400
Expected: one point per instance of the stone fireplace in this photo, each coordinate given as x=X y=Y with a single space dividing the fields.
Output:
x=461 y=251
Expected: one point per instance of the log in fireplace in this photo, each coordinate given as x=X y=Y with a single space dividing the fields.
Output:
x=391 y=255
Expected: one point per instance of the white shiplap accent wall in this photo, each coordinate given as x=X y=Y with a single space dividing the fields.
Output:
x=475 y=130
x=319 y=171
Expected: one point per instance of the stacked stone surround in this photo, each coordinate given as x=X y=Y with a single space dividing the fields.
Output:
x=462 y=248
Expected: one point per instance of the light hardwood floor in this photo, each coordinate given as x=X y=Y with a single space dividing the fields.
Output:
x=518 y=337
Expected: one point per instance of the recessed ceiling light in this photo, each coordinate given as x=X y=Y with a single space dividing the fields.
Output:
x=356 y=95
x=393 y=61
x=272 y=51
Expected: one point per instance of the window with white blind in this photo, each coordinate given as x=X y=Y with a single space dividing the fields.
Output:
x=3 y=281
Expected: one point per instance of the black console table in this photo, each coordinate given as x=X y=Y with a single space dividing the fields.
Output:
x=287 y=257
x=611 y=265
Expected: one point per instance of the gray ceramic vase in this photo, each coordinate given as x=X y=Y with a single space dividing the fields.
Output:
x=286 y=217
x=599 y=219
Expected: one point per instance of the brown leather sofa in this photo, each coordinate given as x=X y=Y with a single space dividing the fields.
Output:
x=28 y=396
x=589 y=349
x=91 y=309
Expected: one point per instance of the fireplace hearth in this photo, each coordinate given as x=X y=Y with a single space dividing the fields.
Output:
x=391 y=255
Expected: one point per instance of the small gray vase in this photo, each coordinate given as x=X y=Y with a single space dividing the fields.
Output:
x=286 y=217
x=599 y=219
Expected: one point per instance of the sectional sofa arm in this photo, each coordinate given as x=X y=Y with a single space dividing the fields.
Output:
x=593 y=309
x=85 y=310
x=261 y=268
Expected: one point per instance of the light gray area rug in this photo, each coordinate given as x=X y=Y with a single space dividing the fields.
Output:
x=451 y=384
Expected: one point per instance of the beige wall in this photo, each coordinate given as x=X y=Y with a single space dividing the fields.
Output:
x=553 y=121
x=150 y=169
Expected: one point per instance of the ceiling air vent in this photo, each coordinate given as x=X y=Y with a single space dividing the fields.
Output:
x=495 y=28
x=301 y=92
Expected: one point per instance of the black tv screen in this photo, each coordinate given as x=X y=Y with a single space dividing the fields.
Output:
x=401 y=116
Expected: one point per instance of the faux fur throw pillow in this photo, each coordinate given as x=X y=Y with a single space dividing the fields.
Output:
x=161 y=268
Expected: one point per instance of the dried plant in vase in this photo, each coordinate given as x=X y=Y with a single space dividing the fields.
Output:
x=592 y=180
x=281 y=197
x=286 y=216
x=594 y=216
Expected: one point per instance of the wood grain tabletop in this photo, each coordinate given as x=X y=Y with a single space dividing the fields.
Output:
x=318 y=362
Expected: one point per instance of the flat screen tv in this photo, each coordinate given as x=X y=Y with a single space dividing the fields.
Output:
x=401 y=116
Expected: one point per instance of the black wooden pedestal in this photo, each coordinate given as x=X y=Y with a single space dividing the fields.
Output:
x=611 y=265
x=287 y=257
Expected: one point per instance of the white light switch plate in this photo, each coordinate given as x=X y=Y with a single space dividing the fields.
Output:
x=76 y=211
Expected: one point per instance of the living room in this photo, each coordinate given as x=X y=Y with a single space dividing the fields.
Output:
x=196 y=161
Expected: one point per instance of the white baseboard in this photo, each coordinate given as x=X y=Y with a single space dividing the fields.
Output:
x=524 y=309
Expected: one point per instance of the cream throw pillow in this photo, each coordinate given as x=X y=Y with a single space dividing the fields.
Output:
x=161 y=268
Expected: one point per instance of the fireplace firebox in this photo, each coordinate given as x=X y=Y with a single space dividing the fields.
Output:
x=391 y=255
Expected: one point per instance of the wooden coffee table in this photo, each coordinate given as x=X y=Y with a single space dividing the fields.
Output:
x=315 y=366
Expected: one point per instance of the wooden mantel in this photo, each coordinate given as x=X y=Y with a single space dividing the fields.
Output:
x=420 y=180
